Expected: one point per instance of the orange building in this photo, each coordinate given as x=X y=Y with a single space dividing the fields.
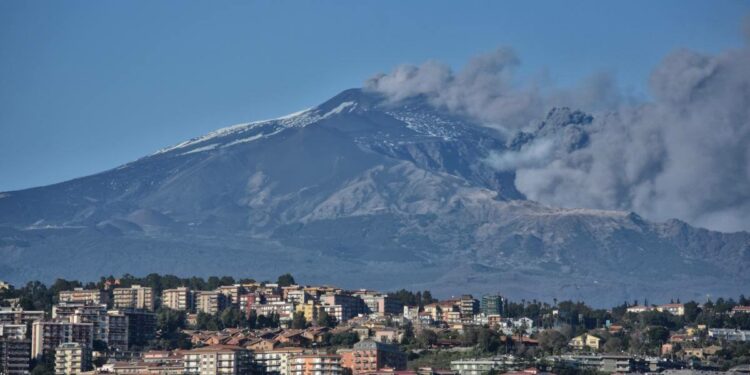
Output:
x=369 y=356
x=316 y=364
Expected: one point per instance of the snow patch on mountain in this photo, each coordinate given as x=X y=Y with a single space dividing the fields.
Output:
x=428 y=124
x=340 y=108
x=201 y=149
x=293 y=120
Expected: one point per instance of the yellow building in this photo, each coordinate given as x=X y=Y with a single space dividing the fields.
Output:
x=311 y=310
x=585 y=341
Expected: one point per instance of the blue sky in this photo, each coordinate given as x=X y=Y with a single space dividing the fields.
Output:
x=86 y=86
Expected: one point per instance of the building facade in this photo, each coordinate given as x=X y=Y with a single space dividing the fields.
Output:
x=218 y=360
x=135 y=297
x=491 y=305
x=93 y=296
x=14 y=356
x=72 y=359
x=178 y=299
x=316 y=364
x=210 y=302
x=370 y=356
x=47 y=336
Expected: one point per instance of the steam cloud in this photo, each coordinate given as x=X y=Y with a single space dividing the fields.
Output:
x=685 y=154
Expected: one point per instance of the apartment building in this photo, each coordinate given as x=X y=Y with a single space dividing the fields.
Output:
x=468 y=307
x=135 y=297
x=117 y=330
x=47 y=336
x=276 y=361
x=13 y=331
x=210 y=302
x=19 y=316
x=232 y=293
x=79 y=312
x=284 y=310
x=478 y=366
x=311 y=310
x=178 y=299
x=316 y=364
x=491 y=304
x=296 y=296
x=343 y=306
x=90 y=296
x=369 y=356
x=378 y=303
x=14 y=356
x=141 y=326
x=72 y=359
x=218 y=360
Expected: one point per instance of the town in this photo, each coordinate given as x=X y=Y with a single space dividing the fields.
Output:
x=169 y=325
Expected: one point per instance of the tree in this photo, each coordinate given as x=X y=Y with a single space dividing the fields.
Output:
x=427 y=338
x=299 y=321
x=408 y=336
x=552 y=341
x=691 y=311
x=252 y=319
x=427 y=298
x=230 y=317
x=325 y=320
x=286 y=280
x=658 y=335
x=613 y=345
x=487 y=340
x=344 y=339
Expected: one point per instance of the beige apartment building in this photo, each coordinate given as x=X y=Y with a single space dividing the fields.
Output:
x=210 y=302
x=177 y=299
x=72 y=359
x=218 y=360
x=136 y=297
x=87 y=296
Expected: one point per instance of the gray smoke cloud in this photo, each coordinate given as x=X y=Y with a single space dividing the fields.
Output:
x=684 y=154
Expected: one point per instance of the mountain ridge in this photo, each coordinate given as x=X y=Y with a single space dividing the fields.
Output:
x=365 y=191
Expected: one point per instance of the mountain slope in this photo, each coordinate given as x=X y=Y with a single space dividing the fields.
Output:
x=361 y=192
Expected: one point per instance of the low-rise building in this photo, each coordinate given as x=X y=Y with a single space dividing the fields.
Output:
x=639 y=309
x=672 y=308
x=585 y=341
x=729 y=334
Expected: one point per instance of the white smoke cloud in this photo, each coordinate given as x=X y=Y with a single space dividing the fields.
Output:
x=685 y=154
